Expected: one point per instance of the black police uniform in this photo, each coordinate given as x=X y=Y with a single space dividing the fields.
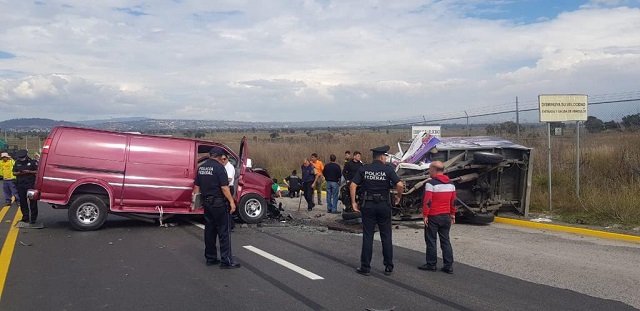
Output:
x=29 y=208
x=376 y=179
x=210 y=178
x=308 y=176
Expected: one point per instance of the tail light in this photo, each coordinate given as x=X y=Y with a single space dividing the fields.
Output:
x=45 y=147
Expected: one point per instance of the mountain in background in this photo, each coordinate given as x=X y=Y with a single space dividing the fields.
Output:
x=139 y=124
x=95 y=122
x=33 y=124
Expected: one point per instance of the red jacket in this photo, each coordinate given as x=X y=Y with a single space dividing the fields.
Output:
x=439 y=195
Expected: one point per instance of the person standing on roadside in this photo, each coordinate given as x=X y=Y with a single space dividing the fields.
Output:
x=352 y=167
x=376 y=180
x=309 y=178
x=439 y=213
x=25 y=170
x=319 y=168
x=332 y=174
x=213 y=185
x=8 y=179
x=347 y=158
x=231 y=176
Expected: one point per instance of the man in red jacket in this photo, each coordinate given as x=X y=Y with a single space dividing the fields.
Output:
x=439 y=214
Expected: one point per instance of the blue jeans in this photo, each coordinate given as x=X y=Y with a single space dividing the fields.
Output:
x=9 y=189
x=332 y=196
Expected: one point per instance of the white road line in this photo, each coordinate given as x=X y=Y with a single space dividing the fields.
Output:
x=284 y=263
x=277 y=260
x=197 y=224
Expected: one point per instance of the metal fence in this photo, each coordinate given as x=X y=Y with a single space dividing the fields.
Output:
x=606 y=107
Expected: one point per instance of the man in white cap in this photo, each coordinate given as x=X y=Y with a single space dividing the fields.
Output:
x=8 y=179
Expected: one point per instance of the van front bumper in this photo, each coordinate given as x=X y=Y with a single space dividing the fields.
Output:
x=33 y=194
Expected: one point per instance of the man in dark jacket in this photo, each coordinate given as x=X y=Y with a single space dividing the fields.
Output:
x=332 y=175
x=439 y=212
x=352 y=166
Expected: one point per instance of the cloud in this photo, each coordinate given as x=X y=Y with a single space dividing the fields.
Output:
x=310 y=60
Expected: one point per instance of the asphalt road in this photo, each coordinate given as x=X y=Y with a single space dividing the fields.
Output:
x=132 y=265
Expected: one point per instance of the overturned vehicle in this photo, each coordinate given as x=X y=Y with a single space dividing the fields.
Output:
x=490 y=175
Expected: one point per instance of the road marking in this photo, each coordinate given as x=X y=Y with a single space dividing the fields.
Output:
x=574 y=230
x=277 y=260
x=197 y=224
x=7 y=249
x=284 y=263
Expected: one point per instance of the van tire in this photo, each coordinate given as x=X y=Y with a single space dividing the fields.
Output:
x=87 y=212
x=252 y=208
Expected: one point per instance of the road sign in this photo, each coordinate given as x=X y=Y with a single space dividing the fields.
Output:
x=560 y=108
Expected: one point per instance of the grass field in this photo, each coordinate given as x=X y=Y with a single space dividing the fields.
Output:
x=609 y=169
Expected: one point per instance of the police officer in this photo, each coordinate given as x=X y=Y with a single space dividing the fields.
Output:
x=212 y=184
x=376 y=179
x=25 y=170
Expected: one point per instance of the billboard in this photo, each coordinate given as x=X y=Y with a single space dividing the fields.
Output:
x=560 y=108
x=429 y=129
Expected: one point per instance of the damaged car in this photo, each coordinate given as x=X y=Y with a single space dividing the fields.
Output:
x=490 y=174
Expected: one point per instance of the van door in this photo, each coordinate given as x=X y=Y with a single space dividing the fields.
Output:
x=241 y=167
x=159 y=172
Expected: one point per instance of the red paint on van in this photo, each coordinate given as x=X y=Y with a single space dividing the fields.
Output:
x=95 y=172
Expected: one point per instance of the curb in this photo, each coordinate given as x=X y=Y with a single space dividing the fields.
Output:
x=574 y=230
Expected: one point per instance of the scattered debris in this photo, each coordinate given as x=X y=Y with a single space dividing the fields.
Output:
x=540 y=219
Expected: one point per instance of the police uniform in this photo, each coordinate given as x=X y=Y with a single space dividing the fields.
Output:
x=376 y=179
x=211 y=177
x=29 y=208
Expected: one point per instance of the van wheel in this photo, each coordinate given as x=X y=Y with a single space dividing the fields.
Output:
x=87 y=212
x=252 y=208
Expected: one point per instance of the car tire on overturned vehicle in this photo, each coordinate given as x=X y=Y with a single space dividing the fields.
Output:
x=484 y=157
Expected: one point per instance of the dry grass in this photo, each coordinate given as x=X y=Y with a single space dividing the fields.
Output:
x=609 y=170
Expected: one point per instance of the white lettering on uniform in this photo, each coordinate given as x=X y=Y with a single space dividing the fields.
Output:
x=207 y=170
x=375 y=175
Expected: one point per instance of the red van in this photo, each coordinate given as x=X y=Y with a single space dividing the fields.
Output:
x=94 y=172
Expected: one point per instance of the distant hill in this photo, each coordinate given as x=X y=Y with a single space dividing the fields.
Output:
x=96 y=122
x=33 y=124
x=163 y=125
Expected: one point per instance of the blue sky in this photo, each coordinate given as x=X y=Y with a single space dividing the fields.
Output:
x=525 y=11
x=307 y=60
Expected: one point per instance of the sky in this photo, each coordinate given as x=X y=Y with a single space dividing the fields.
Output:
x=302 y=60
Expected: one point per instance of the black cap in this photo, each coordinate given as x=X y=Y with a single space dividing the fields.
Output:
x=21 y=153
x=217 y=151
x=380 y=150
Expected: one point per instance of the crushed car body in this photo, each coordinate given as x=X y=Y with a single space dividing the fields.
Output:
x=490 y=174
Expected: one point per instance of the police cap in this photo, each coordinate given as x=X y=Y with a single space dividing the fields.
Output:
x=380 y=150
x=21 y=153
x=217 y=151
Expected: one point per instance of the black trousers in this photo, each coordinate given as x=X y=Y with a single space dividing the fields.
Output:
x=216 y=227
x=439 y=226
x=29 y=208
x=308 y=194
x=372 y=214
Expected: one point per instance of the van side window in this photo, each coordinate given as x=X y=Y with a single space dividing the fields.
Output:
x=160 y=151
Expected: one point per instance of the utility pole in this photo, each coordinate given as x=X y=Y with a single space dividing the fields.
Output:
x=517 y=121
